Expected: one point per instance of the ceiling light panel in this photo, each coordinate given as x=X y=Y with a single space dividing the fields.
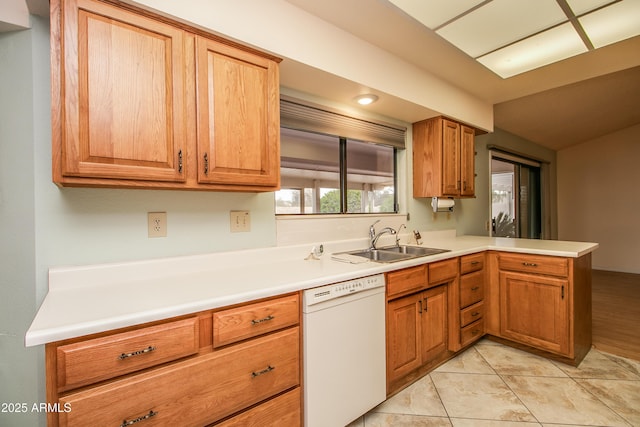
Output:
x=499 y=23
x=612 y=24
x=583 y=6
x=542 y=49
x=433 y=13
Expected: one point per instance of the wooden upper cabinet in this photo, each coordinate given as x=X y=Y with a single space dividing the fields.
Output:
x=238 y=116
x=443 y=159
x=121 y=95
x=141 y=101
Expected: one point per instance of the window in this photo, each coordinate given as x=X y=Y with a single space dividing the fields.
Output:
x=335 y=163
x=329 y=174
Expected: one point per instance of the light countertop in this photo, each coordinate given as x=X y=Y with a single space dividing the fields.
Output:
x=97 y=298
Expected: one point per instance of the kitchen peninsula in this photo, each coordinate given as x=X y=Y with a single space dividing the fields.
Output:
x=196 y=297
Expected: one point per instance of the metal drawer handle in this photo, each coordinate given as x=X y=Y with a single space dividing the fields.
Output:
x=475 y=262
x=475 y=288
x=475 y=313
x=265 y=319
x=136 y=353
x=264 y=371
x=126 y=423
x=529 y=264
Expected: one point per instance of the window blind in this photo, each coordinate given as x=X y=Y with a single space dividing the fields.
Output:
x=300 y=115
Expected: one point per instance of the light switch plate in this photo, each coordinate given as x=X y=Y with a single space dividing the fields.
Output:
x=240 y=221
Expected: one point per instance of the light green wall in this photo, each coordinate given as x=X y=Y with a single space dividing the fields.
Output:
x=21 y=370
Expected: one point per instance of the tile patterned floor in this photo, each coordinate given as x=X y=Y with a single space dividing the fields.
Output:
x=491 y=385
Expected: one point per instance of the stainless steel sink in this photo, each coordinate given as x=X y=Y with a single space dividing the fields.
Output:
x=416 y=251
x=395 y=253
x=380 y=255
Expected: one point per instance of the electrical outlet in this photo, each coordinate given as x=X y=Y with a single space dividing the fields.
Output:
x=157 y=224
x=240 y=221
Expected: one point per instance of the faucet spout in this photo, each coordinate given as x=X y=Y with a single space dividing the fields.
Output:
x=375 y=237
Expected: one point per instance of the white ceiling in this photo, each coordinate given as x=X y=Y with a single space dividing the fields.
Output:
x=561 y=104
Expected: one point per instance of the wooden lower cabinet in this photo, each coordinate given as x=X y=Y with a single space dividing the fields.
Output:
x=416 y=334
x=542 y=302
x=535 y=310
x=255 y=380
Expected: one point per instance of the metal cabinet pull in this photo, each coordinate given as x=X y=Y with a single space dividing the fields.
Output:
x=420 y=307
x=265 y=319
x=180 y=161
x=475 y=288
x=475 y=262
x=136 y=353
x=206 y=164
x=426 y=305
x=529 y=264
x=266 y=370
x=475 y=313
x=126 y=423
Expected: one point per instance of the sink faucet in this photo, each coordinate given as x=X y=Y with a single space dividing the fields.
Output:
x=375 y=236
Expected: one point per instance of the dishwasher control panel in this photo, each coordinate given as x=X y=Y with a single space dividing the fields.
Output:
x=337 y=290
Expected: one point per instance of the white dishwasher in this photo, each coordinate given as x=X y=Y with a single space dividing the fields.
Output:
x=344 y=351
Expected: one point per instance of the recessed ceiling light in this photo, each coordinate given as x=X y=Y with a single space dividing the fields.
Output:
x=366 y=99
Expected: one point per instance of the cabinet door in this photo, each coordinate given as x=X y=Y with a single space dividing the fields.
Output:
x=450 y=158
x=403 y=336
x=467 y=161
x=433 y=323
x=534 y=310
x=238 y=116
x=121 y=91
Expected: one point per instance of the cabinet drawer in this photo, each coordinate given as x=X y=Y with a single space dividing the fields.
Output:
x=471 y=288
x=471 y=314
x=107 y=357
x=407 y=280
x=196 y=391
x=280 y=411
x=539 y=264
x=472 y=332
x=471 y=263
x=237 y=324
x=443 y=271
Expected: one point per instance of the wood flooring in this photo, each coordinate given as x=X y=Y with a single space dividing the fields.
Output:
x=616 y=313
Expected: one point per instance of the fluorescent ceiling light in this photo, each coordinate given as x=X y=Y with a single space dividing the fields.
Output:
x=617 y=22
x=536 y=51
x=499 y=23
x=580 y=7
x=433 y=13
x=511 y=37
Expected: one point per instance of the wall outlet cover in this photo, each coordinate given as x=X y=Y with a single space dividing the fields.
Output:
x=157 y=224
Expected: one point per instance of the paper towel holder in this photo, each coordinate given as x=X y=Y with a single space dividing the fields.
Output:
x=442 y=204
